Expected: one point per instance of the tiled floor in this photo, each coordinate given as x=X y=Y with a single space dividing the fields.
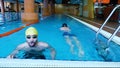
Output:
x=110 y=26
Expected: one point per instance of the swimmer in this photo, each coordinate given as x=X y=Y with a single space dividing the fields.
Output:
x=69 y=37
x=32 y=47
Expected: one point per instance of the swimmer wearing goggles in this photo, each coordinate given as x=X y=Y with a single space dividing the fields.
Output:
x=32 y=47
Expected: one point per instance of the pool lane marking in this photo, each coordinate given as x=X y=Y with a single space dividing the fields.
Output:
x=15 y=30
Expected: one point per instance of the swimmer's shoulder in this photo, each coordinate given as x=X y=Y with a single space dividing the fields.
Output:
x=44 y=44
x=23 y=45
x=65 y=29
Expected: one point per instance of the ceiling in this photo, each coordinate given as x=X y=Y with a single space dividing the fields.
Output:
x=56 y=1
x=64 y=1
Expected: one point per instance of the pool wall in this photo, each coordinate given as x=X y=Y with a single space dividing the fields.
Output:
x=54 y=63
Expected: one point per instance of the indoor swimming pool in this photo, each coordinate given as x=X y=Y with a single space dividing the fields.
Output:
x=49 y=31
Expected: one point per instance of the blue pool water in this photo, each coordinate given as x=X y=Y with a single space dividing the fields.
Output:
x=49 y=32
x=9 y=21
x=8 y=26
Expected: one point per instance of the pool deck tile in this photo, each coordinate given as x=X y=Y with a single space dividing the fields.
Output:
x=111 y=26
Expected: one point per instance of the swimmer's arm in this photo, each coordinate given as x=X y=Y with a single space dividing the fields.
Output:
x=12 y=55
x=53 y=52
x=47 y=46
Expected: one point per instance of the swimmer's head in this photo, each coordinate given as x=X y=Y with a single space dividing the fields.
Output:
x=31 y=36
x=31 y=31
x=64 y=25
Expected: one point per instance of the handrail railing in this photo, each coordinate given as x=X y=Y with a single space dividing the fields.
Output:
x=111 y=37
x=106 y=21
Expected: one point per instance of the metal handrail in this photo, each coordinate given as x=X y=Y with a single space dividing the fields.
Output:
x=106 y=21
x=111 y=37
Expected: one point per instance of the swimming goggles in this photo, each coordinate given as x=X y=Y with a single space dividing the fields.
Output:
x=31 y=36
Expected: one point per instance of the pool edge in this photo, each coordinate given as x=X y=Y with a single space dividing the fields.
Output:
x=106 y=34
x=54 y=63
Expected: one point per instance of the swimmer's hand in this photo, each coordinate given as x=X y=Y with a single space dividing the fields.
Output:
x=81 y=53
x=10 y=57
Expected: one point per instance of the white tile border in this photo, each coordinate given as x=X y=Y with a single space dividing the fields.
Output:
x=54 y=63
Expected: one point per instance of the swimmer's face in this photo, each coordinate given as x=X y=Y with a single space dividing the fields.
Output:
x=31 y=40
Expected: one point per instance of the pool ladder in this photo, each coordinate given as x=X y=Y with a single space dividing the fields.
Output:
x=111 y=37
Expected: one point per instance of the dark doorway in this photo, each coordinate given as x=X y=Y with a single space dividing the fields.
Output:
x=65 y=1
x=113 y=2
